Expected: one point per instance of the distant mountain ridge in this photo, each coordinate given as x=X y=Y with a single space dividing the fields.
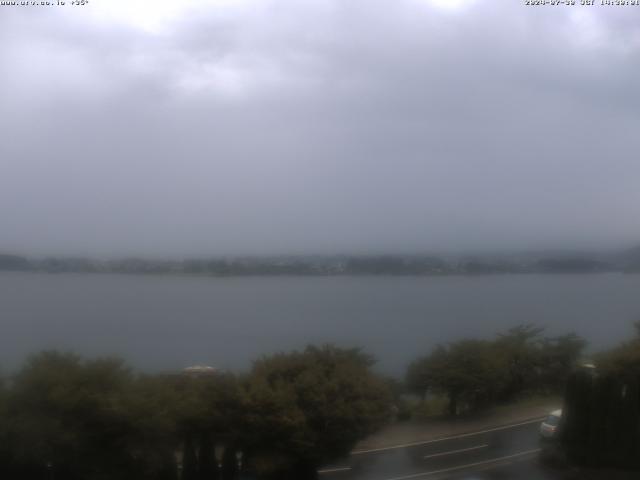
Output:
x=626 y=261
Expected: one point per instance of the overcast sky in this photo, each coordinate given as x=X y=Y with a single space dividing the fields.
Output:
x=197 y=127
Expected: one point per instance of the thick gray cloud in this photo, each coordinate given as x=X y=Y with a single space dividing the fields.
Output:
x=277 y=126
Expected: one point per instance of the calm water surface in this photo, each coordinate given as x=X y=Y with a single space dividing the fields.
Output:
x=158 y=322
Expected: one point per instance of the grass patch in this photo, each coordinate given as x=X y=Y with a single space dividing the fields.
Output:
x=433 y=406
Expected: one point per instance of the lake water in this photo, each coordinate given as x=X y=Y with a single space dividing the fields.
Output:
x=167 y=322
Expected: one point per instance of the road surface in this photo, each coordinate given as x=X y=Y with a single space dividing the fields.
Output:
x=505 y=452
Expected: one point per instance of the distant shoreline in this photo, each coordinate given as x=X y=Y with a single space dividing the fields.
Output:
x=328 y=275
x=329 y=266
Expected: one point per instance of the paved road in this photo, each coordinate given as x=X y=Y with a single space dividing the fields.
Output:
x=508 y=452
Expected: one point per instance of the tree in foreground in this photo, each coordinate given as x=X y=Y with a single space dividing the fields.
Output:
x=66 y=418
x=467 y=372
x=307 y=408
x=62 y=416
x=475 y=373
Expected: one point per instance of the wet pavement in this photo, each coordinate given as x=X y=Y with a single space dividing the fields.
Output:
x=509 y=452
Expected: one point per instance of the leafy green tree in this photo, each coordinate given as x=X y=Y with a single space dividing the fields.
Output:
x=273 y=426
x=537 y=363
x=520 y=348
x=78 y=419
x=153 y=408
x=69 y=416
x=623 y=359
x=307 y=408
x=467 y=371
x=473 y=373
x=208 y=411
x=66 y=417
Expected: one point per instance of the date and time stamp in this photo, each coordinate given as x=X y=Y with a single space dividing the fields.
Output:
x=582 y=3
x=528 y=3
x=44 y=3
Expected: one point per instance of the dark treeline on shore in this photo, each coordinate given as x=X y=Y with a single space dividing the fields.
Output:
x=627 y=261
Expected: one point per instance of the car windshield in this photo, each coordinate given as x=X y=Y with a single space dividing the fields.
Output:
x=552 y=420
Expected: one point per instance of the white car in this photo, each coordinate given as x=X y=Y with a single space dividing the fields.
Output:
x=549 y=426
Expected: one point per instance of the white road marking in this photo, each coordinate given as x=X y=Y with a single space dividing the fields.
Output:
x=452 y=452
x=468 y=465
x=334 y=470
x=452 y=437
